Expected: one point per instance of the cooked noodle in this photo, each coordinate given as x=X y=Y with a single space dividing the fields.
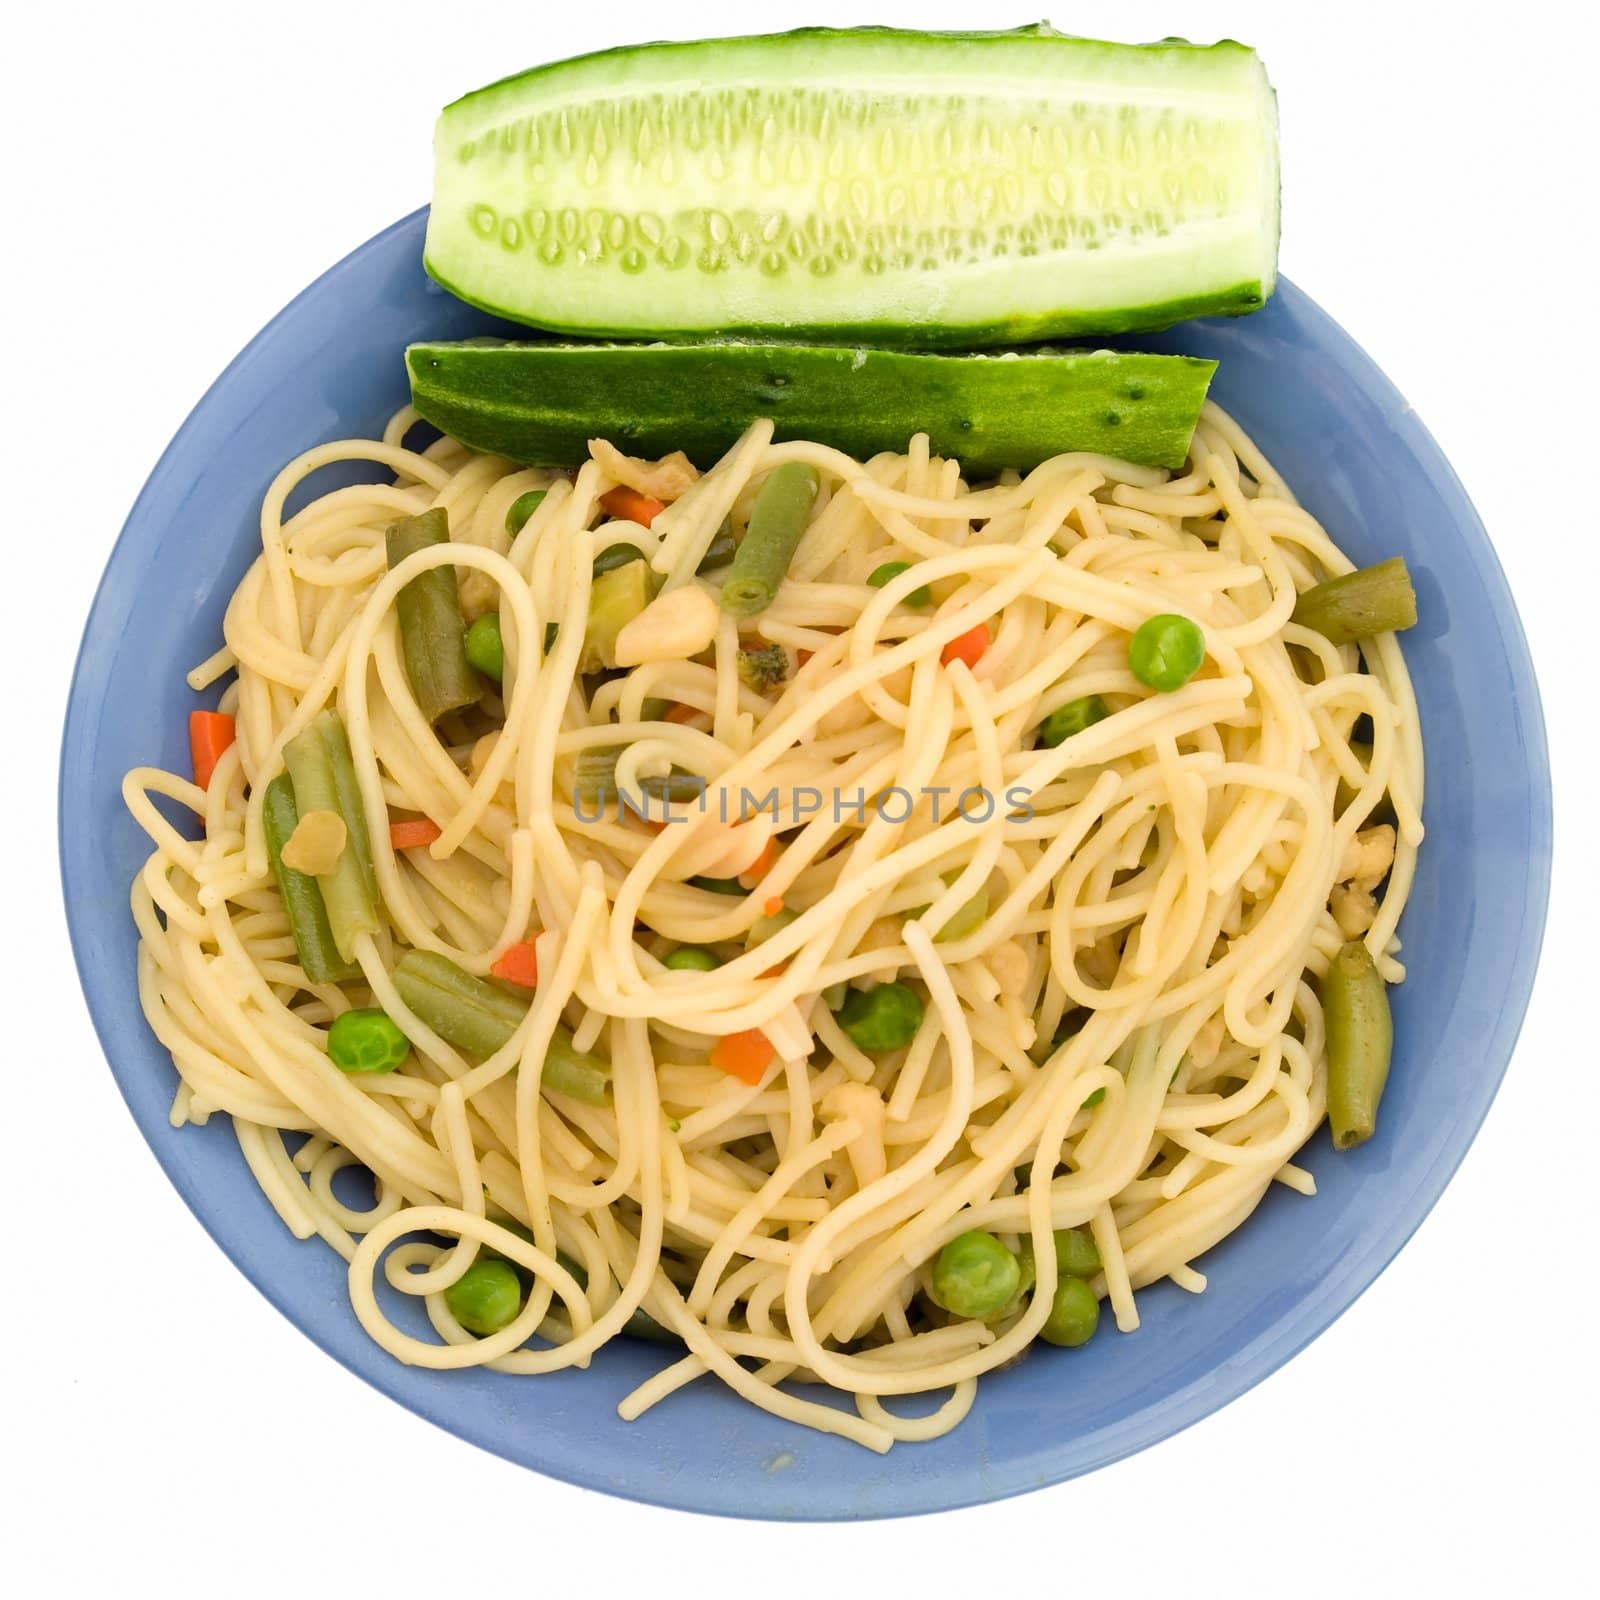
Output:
x=1173 y=880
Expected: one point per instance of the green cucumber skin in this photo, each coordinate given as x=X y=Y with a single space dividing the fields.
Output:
x=541 y=403
x=1186 y=231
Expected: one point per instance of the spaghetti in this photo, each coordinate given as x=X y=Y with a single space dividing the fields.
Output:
x=1127 y=1038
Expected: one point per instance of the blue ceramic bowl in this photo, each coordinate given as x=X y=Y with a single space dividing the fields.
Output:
x=329 y=366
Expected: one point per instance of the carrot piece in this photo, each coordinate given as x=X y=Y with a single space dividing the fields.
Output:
x=210 y=733
x=772 y=905
x=518 y=964
x=410 y=834
x=745 y=1056
x=968 y=647
x=682 y=713
x=803 y=656
x=631 y=506
x=762 y=865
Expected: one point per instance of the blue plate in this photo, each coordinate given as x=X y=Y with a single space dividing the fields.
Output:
x=329 y=366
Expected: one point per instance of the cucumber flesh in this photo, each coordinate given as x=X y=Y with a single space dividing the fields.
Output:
x=541 y=403
x=922 y=188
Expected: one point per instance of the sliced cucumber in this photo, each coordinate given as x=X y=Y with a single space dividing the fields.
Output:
x=932 y=189
x=541 y=403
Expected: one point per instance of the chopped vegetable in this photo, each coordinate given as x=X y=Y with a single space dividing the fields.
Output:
x=481 y=1017
x=518 y=964
x=367 y=1040
x=691 y=958
x=628 y=505
x=967 y=918
x=614 y=556
x=486 y=1297
x=595 y=782
x=1074 y=1314
x=766 y=926
x=772 y=905
x=719 y=885
x=615 y=599
x=763 y=863
x=882 y=1018
x=777 y=520
x=720 y=551
x=968 y=647
x=432 y=632
x=672 y=627
x=1165 y=651
x=210 y=734
x=920 y=598
x=316 y=844
x=763 y=668
x=522 y=508
x=324 y=778
x=1355 y=1007
x=745 y=1056
x=975 y=1276
x=302 y=899
x=413 y=833
x=1073 y=717
x=486 y=648
x=1360 y=604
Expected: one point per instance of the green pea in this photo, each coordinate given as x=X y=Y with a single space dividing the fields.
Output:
x=691 y=958
x=1076 y=1254
x=486 y=650
x=1073 y=717
x=1166 y=651
x=486 y=1297
x=884 y=1018
x=522 y=508
x=368 y=1040
x=975 y=1276
x=1074 y=1314
x=919 y=598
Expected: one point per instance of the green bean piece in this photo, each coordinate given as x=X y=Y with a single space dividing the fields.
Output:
x=720 y=551
x=615 y=599
x=1360 y=604
x=433 y=635
x=879 y=576
x=486 y=649
x=1165 y=652
x=765 y=927
x=522 y=509
x=719 y=885
x=641 y=1325
x=366 y=1040
x=763 y=669
x=967 y=917
x=882 y=1018
x=691 y=958
x=777 y=520
x=595 y=781
x=1094 y=1099
x=324 y=779
x=486 y=1297
x=302 y=899
x=1074 y=1315
x=614 y=556
x=1355 y=1007
x=975 y=1276
x=480 y=1017
x=1073 y=717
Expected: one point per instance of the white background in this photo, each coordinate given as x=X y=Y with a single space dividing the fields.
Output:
x=172 y=175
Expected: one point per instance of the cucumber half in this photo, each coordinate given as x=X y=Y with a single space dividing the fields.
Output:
x=935 y=189
x=541 y=403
